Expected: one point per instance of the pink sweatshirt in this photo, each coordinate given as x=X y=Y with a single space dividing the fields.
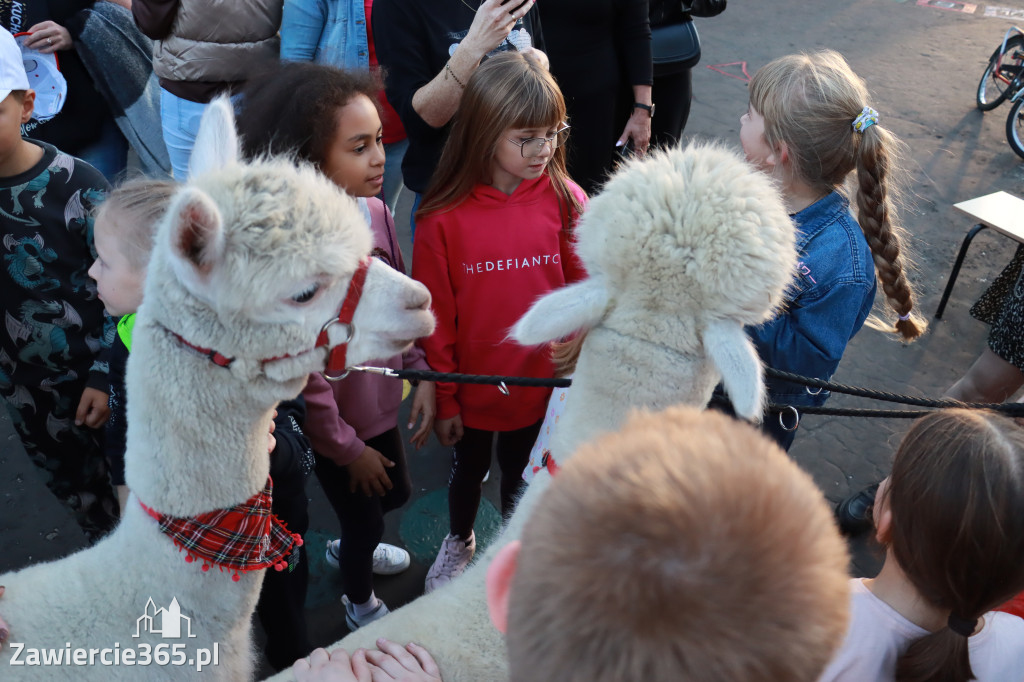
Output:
x=341 y=415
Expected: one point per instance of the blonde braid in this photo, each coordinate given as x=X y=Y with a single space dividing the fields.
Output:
x=884 y=238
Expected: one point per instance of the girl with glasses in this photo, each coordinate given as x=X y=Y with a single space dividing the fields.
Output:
x=493 y=235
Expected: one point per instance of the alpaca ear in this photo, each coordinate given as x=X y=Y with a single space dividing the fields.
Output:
x=196 y=235
x=562 y=312
x=734 y=355
x=216 y=143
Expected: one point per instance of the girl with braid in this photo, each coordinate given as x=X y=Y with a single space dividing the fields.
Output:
x=809 y=126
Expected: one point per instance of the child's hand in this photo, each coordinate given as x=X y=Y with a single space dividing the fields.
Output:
x=4 y=630
x=423 y=404
x=393 y=663
x=368 y=473
x=271 y=440
x=332 y=667
x=449 y=431
x=93 y=410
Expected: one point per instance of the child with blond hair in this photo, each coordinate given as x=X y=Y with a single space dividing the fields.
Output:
x=123 y=232
x=809 y=125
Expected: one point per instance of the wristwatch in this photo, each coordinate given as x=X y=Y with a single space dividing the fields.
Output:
x=649 y=108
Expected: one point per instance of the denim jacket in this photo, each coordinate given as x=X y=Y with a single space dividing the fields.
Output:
x=326 y=32
x=827 y=303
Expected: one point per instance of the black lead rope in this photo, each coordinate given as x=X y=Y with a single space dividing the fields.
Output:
x=1010 y=409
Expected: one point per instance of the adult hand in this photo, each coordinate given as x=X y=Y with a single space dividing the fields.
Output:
x=368 y=473
x=336 y=666
x=449 y=431
x=5 y=632
x=394 y=663
x=48 y=37
x=492 y=23
x=93 y=409
x=638 y=129
x=423 y=404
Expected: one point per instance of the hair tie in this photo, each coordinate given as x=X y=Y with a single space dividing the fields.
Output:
x=868 y=117
x=964 y=628
x=904 y=318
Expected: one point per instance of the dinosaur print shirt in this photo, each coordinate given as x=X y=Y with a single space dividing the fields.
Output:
x=54 y=328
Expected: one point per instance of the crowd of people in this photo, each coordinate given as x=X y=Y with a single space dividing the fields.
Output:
x=489 y=113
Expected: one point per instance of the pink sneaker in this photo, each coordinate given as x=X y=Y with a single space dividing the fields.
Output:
x=451 y=561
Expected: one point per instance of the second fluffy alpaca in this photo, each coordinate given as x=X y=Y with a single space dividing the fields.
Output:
x=682 y=250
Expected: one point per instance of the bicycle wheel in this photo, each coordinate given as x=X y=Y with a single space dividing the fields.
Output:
x=1003 y=67
x=1015 y=127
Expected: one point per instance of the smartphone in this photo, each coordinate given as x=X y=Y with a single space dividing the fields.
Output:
x=626 y=151
x=517 y=3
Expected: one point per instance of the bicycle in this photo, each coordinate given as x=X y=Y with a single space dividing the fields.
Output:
x=1004 y=79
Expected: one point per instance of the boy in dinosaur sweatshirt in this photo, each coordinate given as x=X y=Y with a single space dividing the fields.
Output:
x=54 y=333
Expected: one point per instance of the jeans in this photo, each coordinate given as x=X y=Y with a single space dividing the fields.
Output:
x=180 y=118
x=109 y=153
x=416 y=199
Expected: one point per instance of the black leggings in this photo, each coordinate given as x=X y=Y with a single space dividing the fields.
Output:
x=671 y=94
x=362 y=517
x=471 y=459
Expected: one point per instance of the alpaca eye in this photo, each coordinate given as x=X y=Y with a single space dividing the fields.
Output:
x=307 y=295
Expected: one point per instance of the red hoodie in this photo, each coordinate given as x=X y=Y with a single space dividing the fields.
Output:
x=485 y=263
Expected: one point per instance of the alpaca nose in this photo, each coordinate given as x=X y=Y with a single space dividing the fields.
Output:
x=418 y=298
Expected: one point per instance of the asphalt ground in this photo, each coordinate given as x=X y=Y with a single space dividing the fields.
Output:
x=922 y=60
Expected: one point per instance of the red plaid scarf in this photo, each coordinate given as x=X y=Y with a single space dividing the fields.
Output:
x=246 y=537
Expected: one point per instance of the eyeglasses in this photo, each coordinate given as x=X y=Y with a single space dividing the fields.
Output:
x=534 y=146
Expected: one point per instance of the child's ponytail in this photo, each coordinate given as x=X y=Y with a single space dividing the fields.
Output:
x=956 y=500
x=884 y=237
x=941 y=656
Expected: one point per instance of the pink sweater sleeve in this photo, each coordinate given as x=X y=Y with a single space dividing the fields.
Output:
x=330 y=435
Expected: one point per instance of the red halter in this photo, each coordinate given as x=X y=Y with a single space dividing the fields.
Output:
x=336 y=359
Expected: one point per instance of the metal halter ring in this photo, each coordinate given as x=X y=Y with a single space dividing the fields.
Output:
x=815 y=392
x=351 y=332
x=796 y=419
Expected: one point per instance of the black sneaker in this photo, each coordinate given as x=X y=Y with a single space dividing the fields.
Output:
x=854 y=513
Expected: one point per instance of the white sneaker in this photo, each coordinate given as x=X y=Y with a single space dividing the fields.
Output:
x=451 y=561
x=355 y=622
x=387 y=559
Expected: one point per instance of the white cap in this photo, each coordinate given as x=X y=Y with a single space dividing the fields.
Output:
x=12 y=69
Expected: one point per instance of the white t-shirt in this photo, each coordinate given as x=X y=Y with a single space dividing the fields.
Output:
x=878 y=634
x=541 y=451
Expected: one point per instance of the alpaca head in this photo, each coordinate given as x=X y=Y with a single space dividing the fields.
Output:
x=253 y=259
x=683 y=248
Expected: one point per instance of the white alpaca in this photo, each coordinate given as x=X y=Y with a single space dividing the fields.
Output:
x=251 y=261
x=682 y=249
